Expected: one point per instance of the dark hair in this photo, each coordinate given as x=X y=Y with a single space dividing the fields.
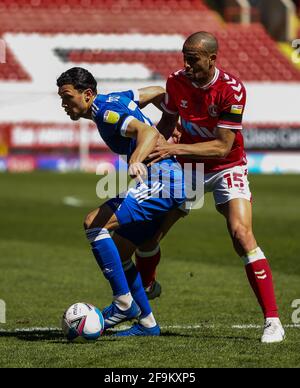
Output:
x=80 y=78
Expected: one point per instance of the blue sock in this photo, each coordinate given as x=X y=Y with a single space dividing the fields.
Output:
x=136 y=288
x=108 y=259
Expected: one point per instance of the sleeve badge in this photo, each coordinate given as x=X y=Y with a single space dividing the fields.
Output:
x=111 y=117
x=237 y=109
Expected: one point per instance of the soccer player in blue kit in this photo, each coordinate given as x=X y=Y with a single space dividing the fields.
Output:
x=159 y=190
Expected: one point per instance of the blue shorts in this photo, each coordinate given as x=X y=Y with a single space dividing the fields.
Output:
x=139 y=232
x=161 y=192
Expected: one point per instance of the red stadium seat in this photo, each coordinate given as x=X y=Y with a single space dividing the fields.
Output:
x=253 y=55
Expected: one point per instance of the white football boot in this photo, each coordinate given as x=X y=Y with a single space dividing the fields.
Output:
x=273 y=331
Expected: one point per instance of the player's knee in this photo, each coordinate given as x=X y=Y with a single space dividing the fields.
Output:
x=89 y=219
x=241 y=233
x=149 y=246
x=101 y=218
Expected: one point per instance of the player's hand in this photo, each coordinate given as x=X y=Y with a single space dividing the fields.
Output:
x=162 y=152
x=161 y=141
x=176 y=136
x=138 y=171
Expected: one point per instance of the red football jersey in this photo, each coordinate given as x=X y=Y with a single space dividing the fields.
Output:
x=220 y=103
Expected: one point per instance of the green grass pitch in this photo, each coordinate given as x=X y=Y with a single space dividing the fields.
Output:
x=46 y=265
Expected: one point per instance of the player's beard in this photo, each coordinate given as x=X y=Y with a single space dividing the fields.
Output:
x=201 y=77
x=74 y=116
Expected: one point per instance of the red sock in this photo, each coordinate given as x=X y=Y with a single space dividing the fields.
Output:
x=146 y=263
x=260 y=277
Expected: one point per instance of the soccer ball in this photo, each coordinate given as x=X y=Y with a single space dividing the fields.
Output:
x=82 y=321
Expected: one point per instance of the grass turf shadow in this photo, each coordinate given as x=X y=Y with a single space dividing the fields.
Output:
x=34 y=335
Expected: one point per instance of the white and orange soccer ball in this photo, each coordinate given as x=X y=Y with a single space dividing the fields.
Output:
x=82 y=321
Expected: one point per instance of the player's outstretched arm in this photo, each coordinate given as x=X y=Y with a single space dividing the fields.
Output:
x=151 y=95
x=214 y=149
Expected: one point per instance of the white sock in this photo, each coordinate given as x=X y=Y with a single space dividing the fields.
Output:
x=123 y=301
x=148 y=321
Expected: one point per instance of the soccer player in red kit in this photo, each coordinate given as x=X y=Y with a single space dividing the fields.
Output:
x=210 y=104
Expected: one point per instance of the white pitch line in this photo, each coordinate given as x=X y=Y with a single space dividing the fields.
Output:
x=189 y=327
x=245 y=327
x=123 y=327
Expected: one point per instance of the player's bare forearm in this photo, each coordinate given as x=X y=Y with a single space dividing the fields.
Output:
x=167 y=125
x=213 y=149
x=151 y=95
x=146 y=139
x=209 y=150
x=146 y=142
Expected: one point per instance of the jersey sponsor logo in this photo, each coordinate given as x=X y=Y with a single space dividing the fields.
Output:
x=237 y=109
x=213 y=110
x=195 y=130
x=111 y=117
